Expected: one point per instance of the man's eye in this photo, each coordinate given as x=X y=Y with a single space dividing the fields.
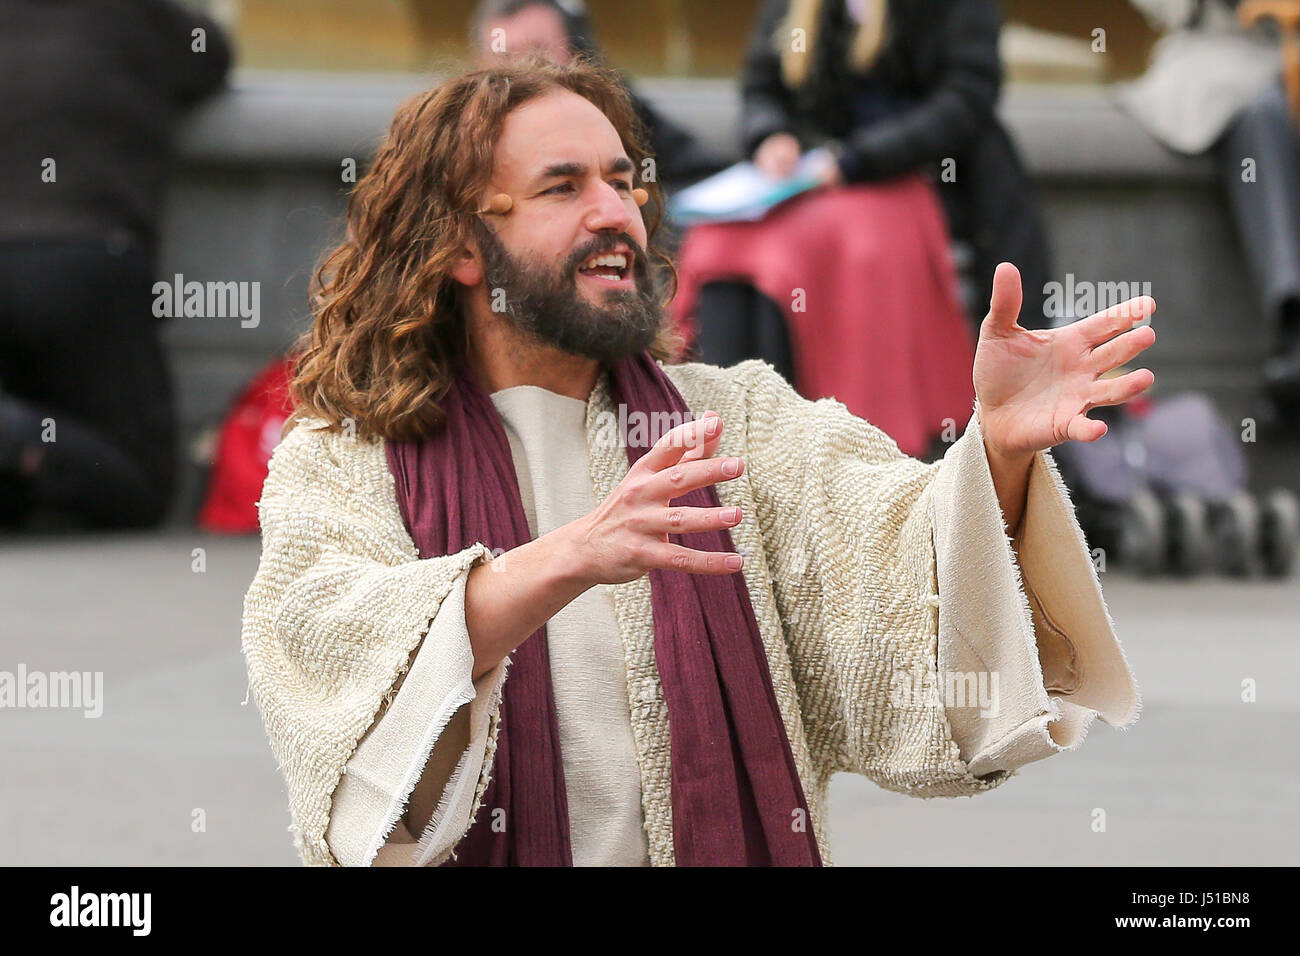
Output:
x=621 y=184
x=563 y=187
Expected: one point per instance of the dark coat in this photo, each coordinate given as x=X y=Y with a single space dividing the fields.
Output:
x=97 y=85
x=929 y=97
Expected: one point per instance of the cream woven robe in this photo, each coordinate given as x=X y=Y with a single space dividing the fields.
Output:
x=869 y=573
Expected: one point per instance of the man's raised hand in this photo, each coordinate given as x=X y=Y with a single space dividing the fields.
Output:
x=627 y=535
x=1035 y=387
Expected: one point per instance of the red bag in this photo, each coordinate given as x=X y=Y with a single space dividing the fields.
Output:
x=248 y=436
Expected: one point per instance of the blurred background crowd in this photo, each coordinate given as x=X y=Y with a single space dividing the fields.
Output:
x=173 y=172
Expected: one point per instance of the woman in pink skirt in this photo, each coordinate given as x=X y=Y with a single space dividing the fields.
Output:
x=850 y=289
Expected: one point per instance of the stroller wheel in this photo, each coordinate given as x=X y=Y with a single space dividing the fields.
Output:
x=1188 y=529
x=1235 y=531
x=1141 y=534
x=1279 y=532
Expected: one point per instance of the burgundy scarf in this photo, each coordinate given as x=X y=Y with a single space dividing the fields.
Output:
x=736 y=796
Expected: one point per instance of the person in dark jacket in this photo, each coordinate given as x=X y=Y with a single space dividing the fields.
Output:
x=913 y=89
x=92 y=90
x=851 y=289
x=561 y=30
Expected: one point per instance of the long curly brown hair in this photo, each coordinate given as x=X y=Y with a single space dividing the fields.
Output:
x=388 y=333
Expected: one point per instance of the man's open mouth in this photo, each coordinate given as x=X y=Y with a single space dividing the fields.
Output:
x=609 y=266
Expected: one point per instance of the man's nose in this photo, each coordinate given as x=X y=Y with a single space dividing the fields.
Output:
x=609 y=210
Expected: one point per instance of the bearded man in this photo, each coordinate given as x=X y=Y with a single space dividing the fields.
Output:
x=699 y=627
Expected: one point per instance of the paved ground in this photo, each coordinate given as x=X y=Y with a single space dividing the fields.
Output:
x=1201 y=778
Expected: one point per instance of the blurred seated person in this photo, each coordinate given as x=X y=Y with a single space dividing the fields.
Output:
x=560 y=30
x=92 y=89
x=1214 y=88
x=850 y=290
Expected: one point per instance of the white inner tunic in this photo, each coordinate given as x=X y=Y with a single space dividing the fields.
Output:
x=548 y=441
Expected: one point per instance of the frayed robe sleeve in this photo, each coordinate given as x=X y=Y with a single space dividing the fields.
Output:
x=340 y=611
x=427 y=752
x=892 y=574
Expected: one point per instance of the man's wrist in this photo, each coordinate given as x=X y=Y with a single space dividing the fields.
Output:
x=1010 y=474
x=566 y=559
x=1009 y=461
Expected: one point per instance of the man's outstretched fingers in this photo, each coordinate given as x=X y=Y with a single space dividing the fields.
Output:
x=703 y=441
x=1083 y=428
x=1123 y=348
x=687 y=520
x=676 y=480
x=675 y=557
x=1106 y=325
x=1004 y=307
x=689 y=440
x=1115 y=391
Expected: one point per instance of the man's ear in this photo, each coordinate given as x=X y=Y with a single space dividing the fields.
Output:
x=467 y=269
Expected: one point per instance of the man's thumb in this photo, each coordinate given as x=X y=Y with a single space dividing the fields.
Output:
x=1004 y=308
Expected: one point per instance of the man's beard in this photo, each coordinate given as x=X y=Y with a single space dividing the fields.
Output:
x=545 y=304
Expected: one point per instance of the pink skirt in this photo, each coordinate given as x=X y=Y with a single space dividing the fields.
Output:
x=864 y=277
